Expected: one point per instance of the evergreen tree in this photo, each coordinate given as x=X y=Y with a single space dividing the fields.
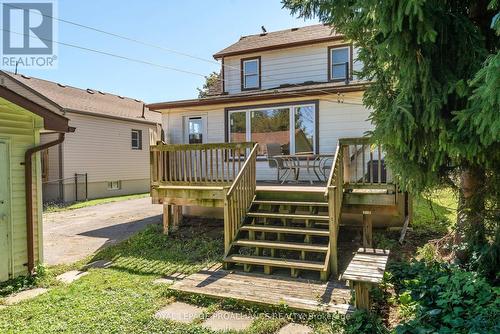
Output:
x=435 y=100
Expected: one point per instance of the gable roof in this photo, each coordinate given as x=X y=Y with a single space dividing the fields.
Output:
x=88 y=101
x=280 y=39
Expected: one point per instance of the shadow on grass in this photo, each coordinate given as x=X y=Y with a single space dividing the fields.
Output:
x=195 y=245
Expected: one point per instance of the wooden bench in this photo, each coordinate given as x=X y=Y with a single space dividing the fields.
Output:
x=365 y=270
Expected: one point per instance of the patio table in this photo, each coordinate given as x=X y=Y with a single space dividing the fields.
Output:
x=310 y=161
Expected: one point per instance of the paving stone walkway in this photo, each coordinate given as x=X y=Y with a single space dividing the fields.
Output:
x=24 y=295
x=224 y=320
x=180 y=312
x=71 y=276
x=295 y=329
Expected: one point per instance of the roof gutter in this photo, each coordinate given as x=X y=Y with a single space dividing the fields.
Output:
x=28 y=187
x=267 y=95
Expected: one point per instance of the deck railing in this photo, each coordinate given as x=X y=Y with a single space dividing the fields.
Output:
x=239 y=198
x=334 y=195
x=364 y=163
x=197 y=164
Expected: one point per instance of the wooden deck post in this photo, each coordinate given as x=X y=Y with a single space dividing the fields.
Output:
x=362 y=295
x=167 y=218
x=367 y=229
x=176 y=216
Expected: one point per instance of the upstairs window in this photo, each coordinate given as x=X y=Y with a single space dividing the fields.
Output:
x=137 y=139
x=250 y=76
x=339 y=63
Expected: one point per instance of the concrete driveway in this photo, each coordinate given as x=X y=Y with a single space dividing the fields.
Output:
x=72 y=235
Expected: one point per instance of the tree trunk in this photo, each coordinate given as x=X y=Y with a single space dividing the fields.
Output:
x=470 y=230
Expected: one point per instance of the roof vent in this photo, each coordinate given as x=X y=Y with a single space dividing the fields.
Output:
x=101 y=92
x=294 y=29
x=136 y=100
x=61 y=85
x=90 y=91
x=121 y=97
x=25 y=76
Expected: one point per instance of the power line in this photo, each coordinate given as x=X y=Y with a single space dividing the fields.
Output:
x=130 y=39
x=109 y=54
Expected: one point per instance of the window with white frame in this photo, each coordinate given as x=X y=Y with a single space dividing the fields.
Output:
x=292 y=127
x=137 y=139
x=339 y=62
x=250 y=73
x=114 y=185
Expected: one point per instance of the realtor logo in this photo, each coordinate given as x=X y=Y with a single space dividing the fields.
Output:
x=28 y=31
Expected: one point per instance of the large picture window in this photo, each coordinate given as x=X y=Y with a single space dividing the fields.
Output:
x=292 y=127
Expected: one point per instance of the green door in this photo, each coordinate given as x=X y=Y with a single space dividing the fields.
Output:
x=4 y=211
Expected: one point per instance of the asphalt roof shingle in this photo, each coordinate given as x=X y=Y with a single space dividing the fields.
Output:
x=88 y=100
x=280 y=39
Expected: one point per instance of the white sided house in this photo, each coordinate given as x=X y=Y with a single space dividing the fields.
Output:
x=293 y=87
x=107 y=156
x=279 y=149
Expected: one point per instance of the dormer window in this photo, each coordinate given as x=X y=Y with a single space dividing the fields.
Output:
x=339 y=63
x=250 y=73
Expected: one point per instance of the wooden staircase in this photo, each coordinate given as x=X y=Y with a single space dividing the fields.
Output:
x=281 y=232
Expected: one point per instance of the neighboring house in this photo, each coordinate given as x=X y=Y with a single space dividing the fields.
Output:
x=23 y=117
x=108 y=156
x=293 y=87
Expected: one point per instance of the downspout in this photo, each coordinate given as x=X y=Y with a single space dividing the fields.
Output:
x=28 y=185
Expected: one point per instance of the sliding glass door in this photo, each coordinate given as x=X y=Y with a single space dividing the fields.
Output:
x=291 y=128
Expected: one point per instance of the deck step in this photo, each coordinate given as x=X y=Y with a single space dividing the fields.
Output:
x=289 y=230
x=324 y=204
x=282 y=245
x=287 y=216
x=275 y=262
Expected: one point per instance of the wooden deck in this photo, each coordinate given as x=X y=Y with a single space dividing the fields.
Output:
x=298 y=294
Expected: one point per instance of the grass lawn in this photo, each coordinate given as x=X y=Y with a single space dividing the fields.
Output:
x=122 y=298
x=92 y=202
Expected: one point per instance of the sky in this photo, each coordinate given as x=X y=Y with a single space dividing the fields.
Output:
x=199 y=28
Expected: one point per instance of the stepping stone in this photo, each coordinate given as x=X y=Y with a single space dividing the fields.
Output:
x=223 y=321
x=295 y=329
x=24 y=295
x=180 y=312
x=99 y=264
x=163 y=280
x=71 y=276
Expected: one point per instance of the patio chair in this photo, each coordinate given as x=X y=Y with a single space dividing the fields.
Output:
x=275 y=161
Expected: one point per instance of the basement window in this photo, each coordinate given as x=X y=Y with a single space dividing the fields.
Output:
x=114 y=185
x=137 y=139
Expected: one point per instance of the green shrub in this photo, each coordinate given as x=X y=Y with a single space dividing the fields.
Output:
x=441 y=298
x=22 y=282
x=361 y=322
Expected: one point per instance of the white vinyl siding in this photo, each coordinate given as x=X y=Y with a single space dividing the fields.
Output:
x=336 y=120
x=286 y=66
x=101 y=147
